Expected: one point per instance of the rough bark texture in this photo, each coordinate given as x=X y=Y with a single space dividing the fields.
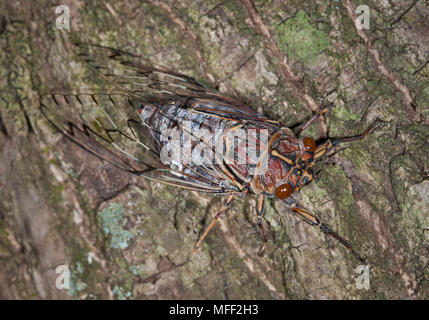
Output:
x=124 y=238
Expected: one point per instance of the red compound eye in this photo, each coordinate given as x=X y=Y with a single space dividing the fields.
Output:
x=309 y=145
x=283 y=191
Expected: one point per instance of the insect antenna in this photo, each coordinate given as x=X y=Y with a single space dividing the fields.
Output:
x=322 y=149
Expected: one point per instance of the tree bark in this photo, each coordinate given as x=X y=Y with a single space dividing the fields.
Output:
x=125 y=238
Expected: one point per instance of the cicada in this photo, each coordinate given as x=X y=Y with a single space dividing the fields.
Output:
x=171 y=128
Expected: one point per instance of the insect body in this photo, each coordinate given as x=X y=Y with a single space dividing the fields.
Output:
x=172 y=129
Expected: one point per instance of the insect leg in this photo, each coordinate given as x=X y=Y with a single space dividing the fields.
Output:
x=260 y=211
x=315 y=222
x=216 y=217
x=302 y=127
x=322 y=149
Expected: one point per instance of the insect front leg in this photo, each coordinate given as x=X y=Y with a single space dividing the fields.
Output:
x=312 y=220
x=260 y=210
x=302 y=127
x=225 y=206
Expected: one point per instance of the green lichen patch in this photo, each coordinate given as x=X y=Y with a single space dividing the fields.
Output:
x=76 y=287
x=77 y=281
x=333 y=179
x=422 y=99
x=344 y=114
x=112 y=223
x=120 y=293
x=301 y=39
x=417 y=206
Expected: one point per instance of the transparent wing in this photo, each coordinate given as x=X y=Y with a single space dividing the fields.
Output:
x=106 y=122
x=107 y=125
x=147 y=82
